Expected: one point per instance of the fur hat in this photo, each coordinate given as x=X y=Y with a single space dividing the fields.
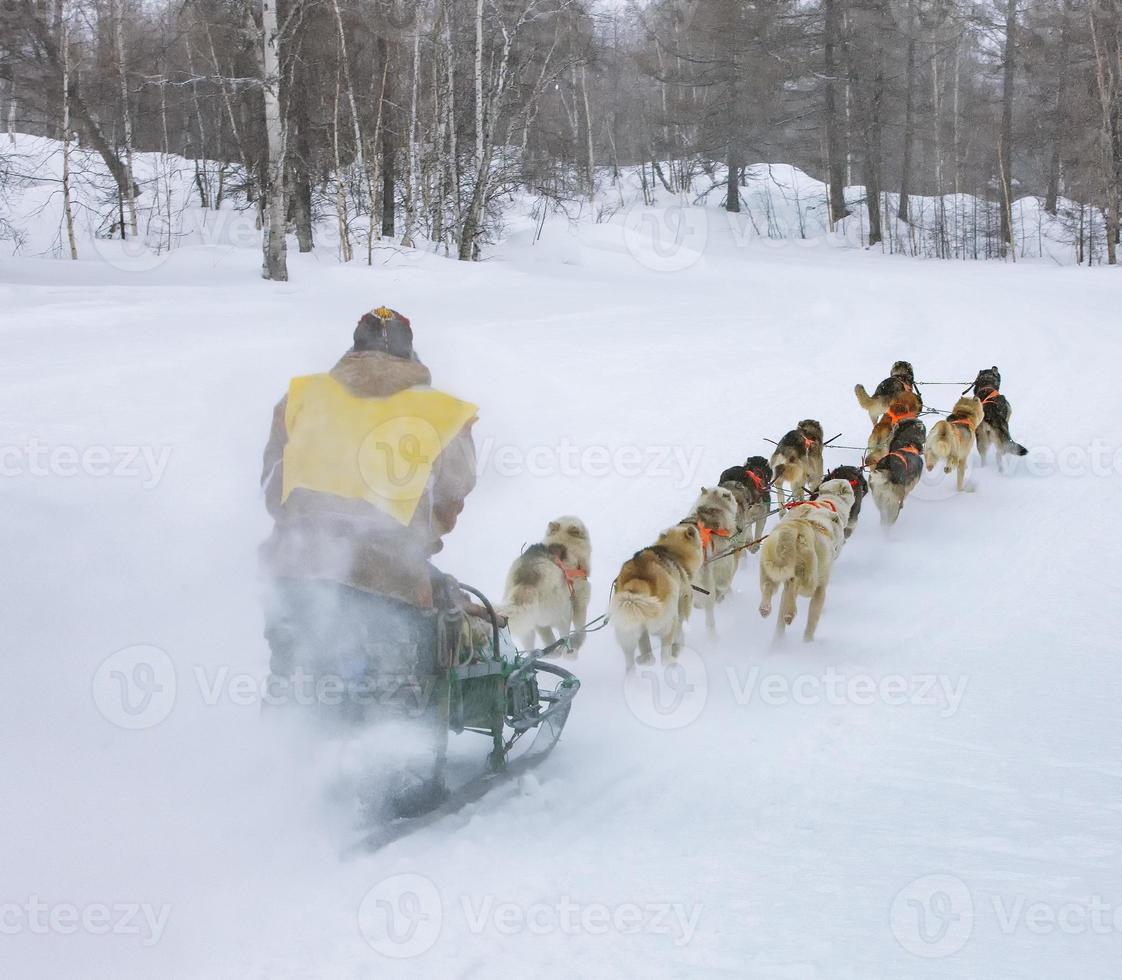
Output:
x=384 y=330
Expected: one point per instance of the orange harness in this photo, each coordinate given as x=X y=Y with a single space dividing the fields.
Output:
x=990 y=397
x=707 y=536
x=897 y=419
x=810 y=443
x=572 y=576
x=969 y=423
x=813 y=503
x=899 y=454
x=756 y=479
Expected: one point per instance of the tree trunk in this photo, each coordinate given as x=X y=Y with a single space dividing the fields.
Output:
x=275 y=265
x=1006 y=151
x=836 y=152
x=909 y=126
x=67 y=207
x=389 y=174
x=1051 y=198
x=117 y=13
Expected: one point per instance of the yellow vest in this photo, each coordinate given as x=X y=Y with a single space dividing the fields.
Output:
x=381 y=450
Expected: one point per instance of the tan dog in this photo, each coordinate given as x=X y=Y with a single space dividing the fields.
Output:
x=652 y=595
x=547 y=590
x=952 y=438
x=715 y=515
x=797 y=460
x=905 y=406
x=799 y=554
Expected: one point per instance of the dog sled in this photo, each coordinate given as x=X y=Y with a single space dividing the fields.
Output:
x=520 y=701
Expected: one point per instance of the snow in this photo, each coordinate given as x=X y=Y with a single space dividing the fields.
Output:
x=947 y=744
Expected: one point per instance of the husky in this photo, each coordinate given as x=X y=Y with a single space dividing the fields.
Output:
x=547 y=590
x=797 y=459
x=750 y=483
x=714 y=514
x=899 y=470
x=994 y=428
x=799 y=554
x=952 y=438
x=905 y=406
x=901 y=379
x=856 y=479
x=651 y=595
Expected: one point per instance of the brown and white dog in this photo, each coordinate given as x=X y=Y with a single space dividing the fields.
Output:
x=714 y=514
x=547 y=590
x=902 y=408
x=952 y=438
x=994 y=429
x=799 y=554
x=797 y=460
x=900 y=380
x=899 y=470
x=652 y=595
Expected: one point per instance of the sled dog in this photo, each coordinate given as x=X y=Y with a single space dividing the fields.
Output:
x=651 y=595
x=994 y=428
x=750 y=483
x=899 y=470
x=797 y=460
x=900 y=380
x=952 y=438
x=547 y=590
x=799 y=554
x=714 y=514
x=902 y=408
x=856 y=479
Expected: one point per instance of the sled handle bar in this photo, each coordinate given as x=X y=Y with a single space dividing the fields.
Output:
x=490 y=612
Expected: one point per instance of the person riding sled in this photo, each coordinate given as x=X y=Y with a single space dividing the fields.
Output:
x=366 y=469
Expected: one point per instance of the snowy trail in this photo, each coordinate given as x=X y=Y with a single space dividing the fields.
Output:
x=767 y=829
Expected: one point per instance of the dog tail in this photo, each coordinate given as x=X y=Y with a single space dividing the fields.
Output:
x=780 y=553
x=1014 y=447
x=631 y=608
x=863 y=398
x=940 y=444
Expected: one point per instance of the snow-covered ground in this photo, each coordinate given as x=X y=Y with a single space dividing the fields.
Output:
x=932 y=789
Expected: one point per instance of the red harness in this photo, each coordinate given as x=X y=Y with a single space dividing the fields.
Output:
x=813 y=503
x=707 y=536
x=897 y=419
x=572 y=575
x=899 y=454
x=756 y=479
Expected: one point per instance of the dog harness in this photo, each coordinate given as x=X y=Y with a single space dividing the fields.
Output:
x=756 y=479
x=813 y=503
x=707 y=536
x=899 y=454
x=969 y=423
x=897 y=419
x=991 y=396
x=572 y=575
